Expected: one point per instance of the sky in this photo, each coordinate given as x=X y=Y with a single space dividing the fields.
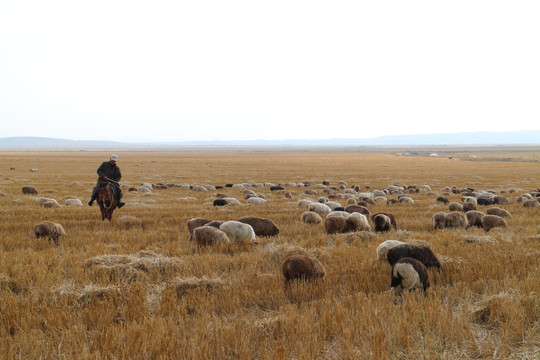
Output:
x=246 y=70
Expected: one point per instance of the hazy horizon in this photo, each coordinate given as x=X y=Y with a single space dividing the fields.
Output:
x=241 y=70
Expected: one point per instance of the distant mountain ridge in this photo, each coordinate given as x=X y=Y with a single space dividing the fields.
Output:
x=531 y=137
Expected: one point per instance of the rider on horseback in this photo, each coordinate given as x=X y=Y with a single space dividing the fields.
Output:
x=109 y=171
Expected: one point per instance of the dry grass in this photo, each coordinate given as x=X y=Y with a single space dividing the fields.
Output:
x=136 y=288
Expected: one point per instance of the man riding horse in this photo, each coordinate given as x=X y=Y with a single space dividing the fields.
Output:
x=109 y=171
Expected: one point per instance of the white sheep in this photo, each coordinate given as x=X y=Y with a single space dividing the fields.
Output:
x=342 y=214
x=360 y=221
x=232 y=201
x=319 y=208
x=256 y=201
x=238 y=231
x=383 y=248
x=333 y=205
x=73 y=202
x=304 y=203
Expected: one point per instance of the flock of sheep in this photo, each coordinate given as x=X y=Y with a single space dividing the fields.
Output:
x=409 y=262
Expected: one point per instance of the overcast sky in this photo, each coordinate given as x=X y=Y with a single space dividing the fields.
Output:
x=239 y=70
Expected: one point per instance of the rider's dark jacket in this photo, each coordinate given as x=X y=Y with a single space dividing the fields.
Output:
x=109 y=170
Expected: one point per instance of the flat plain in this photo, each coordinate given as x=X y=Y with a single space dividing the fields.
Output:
x=137 y=288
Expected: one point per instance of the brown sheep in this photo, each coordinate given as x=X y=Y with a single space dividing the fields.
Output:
x=391 y=216
x=454 y=206
x=335 y=224
x=474 y=218
x=215 y=223
x=359 y=209
x=194 y=223
x=501 y=200
x=531 y=203
x=29 y=190
x=261 y=226
x=302 y=267
x=421 y=253
x=491 y=221
x=209 y=235
x=469 y=206
x=51 y=204
x=439 y=220
x=456 y=220
x=311 y=217
x=392 y=201
x=498 y=211
x=50 y=230
x=381 y=222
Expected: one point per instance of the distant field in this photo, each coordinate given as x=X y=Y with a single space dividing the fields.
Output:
x=136 y=288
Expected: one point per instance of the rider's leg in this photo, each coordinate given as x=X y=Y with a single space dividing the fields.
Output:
x=94 y=195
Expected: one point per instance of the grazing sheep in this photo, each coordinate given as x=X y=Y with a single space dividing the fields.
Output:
x=383 y=248
x=421 y=253
x=357 y=222
x=310 y=192
x=261 y=226
x=408 y=274
x=491 y=221
x=456 y=220
x=333 y=205
x=359 y=209
x=209 y=235
x=29 y=190
x=391 y=216
x=531 y=203
x=302 y=267
x=51 y=204
x=392 y=201
x=342 y=214
x=382 y=222
x=439 y=220
x=232 y=201
x=310 y=217
x=304 y=203
x=498 y=211
x=276 y=188
x=474 y=218
x=469 y=199
x=215 y=223
x=319 y=208
x=406 y=200
x=73 y=202
x=220 y=202
x=454 y=206
x=335 y=224
x=49 y=229
x=194 y=223
x=501 y=200
x=256 y=201
x=484 y=200
x=469 y=206
x=238 y=231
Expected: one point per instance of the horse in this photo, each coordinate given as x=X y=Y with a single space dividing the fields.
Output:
x=106 y=199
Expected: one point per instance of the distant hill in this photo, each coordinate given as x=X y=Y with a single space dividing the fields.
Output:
x=531 y=137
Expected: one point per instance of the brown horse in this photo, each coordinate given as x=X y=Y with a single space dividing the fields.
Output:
x=106 y=200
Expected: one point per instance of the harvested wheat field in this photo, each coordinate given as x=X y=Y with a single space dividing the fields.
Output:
x=140 y=287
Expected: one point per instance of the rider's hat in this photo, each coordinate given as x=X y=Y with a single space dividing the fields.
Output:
x=114 y=157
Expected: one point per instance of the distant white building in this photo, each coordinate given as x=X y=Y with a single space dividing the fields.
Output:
x=434 y=155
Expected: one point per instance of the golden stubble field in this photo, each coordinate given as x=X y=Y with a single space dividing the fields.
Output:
x=136 y=288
